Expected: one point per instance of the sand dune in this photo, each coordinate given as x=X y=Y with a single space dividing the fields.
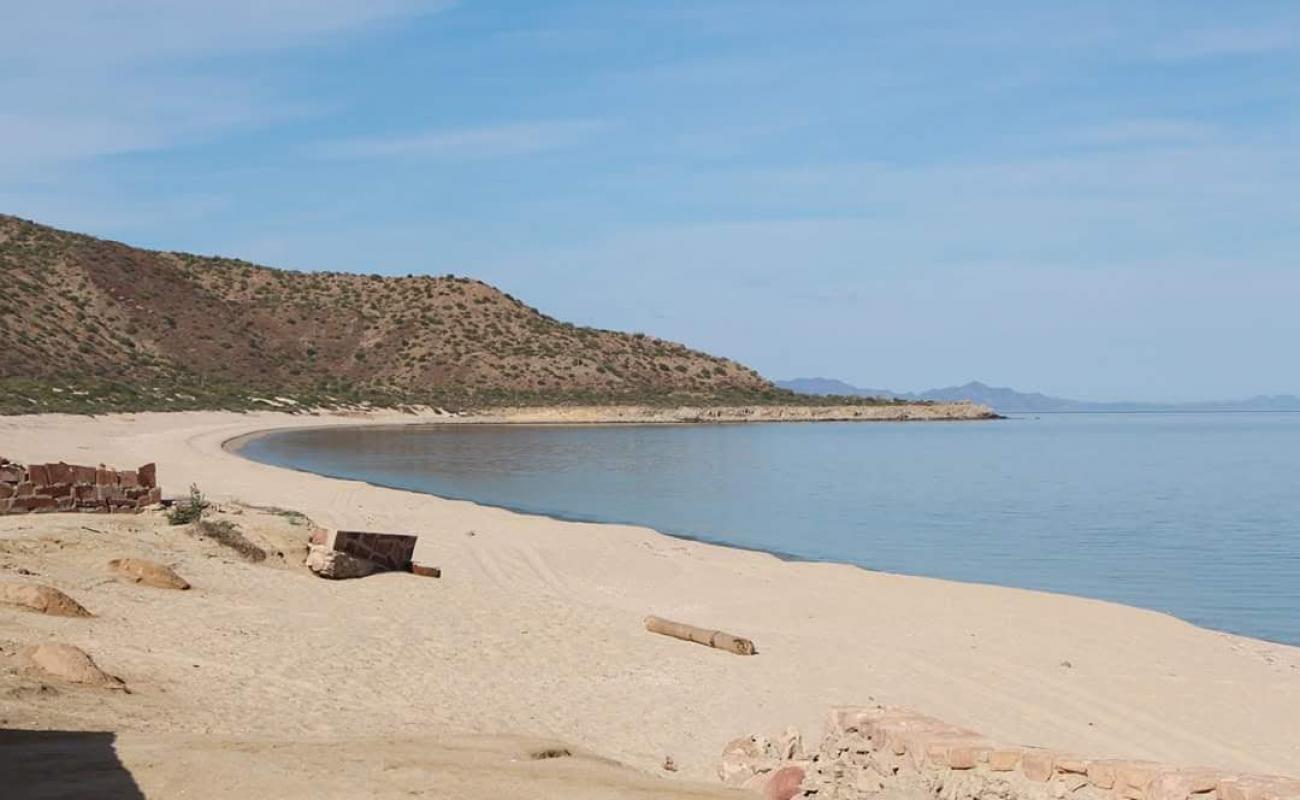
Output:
x=535 y=631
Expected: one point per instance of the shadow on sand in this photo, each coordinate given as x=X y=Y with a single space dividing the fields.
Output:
x=52 y=765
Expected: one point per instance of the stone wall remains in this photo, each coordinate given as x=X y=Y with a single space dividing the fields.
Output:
x=865 y=751
x=71 y=487
x=389 y=550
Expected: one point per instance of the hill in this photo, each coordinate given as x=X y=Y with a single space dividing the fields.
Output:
x=94 y=325
x=1007 y=400
x=831 y=387
x=997 y=398
x=1004 y=398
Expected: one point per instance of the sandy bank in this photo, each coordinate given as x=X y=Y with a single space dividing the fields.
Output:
x=535 y=631
x=652 y=414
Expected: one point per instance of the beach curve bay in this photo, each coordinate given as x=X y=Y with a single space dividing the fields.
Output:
x=536 y=629
x=1191 y=514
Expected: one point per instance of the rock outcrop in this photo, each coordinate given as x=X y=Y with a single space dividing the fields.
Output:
x=148 y=573
x=71 y=664
x=639 y=414
x=41 y=599
x=866 y=751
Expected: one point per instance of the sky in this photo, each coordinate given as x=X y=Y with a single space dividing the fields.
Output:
x=1095 y=200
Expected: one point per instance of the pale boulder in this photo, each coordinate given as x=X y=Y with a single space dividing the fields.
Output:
x=332 y=564
x=71 y=664
x=785 y=784
x=41 y=599
x=746 y=757
x=782 y=784
x=790 y=745
x=148 y=573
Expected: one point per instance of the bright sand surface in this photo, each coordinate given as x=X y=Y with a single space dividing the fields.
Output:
x=535 y=630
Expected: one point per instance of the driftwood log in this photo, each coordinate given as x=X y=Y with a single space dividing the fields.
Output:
x=704 y=636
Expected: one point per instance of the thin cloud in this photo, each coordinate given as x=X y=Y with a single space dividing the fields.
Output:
x=133 y=31
x=1230 y=42
x=1136 y=132
x=499 y=141
x=87 y=79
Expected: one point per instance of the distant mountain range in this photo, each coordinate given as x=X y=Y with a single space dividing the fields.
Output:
x=1009 y=400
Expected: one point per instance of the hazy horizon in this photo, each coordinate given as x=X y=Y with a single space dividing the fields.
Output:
x=1095 y=203
x=1222 y=397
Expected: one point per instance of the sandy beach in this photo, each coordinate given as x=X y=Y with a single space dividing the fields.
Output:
x=534 y=634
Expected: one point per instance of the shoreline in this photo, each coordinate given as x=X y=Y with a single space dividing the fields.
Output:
x=233 y=445
x=1142 y=683
x=585 y=416
x=791 y=557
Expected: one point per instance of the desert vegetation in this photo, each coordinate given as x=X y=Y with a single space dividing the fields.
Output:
x=91 y=325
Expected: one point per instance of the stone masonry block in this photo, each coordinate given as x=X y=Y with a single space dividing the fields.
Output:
x=1231 y=789
x=1004 y=759
x=1183 y=784
x=1101 y=774
x=389 y=550
x=1136 y=774
x=841 y=719
x=966 y=756
x=1037 y=765
x=856 y=760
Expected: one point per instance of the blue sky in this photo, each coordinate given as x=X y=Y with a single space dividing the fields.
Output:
x=1098 y=200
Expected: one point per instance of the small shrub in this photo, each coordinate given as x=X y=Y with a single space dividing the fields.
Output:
x=226 y=533
x=187 y=511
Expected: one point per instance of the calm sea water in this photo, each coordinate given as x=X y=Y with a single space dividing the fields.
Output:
x=1194 y=514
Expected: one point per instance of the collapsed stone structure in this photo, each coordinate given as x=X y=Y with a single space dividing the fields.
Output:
x=356 y=554
x=72 y=487
x=392 y=551
x=865 y=751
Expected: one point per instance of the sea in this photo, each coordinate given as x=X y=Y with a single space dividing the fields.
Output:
x=1193 y=514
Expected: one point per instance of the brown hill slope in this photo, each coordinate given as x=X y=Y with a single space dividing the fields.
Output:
x=92 y=325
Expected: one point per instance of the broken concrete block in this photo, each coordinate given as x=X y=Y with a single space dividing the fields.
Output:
x=335 y=565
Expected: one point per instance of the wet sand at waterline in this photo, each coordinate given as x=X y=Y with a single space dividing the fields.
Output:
x=534 y=634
